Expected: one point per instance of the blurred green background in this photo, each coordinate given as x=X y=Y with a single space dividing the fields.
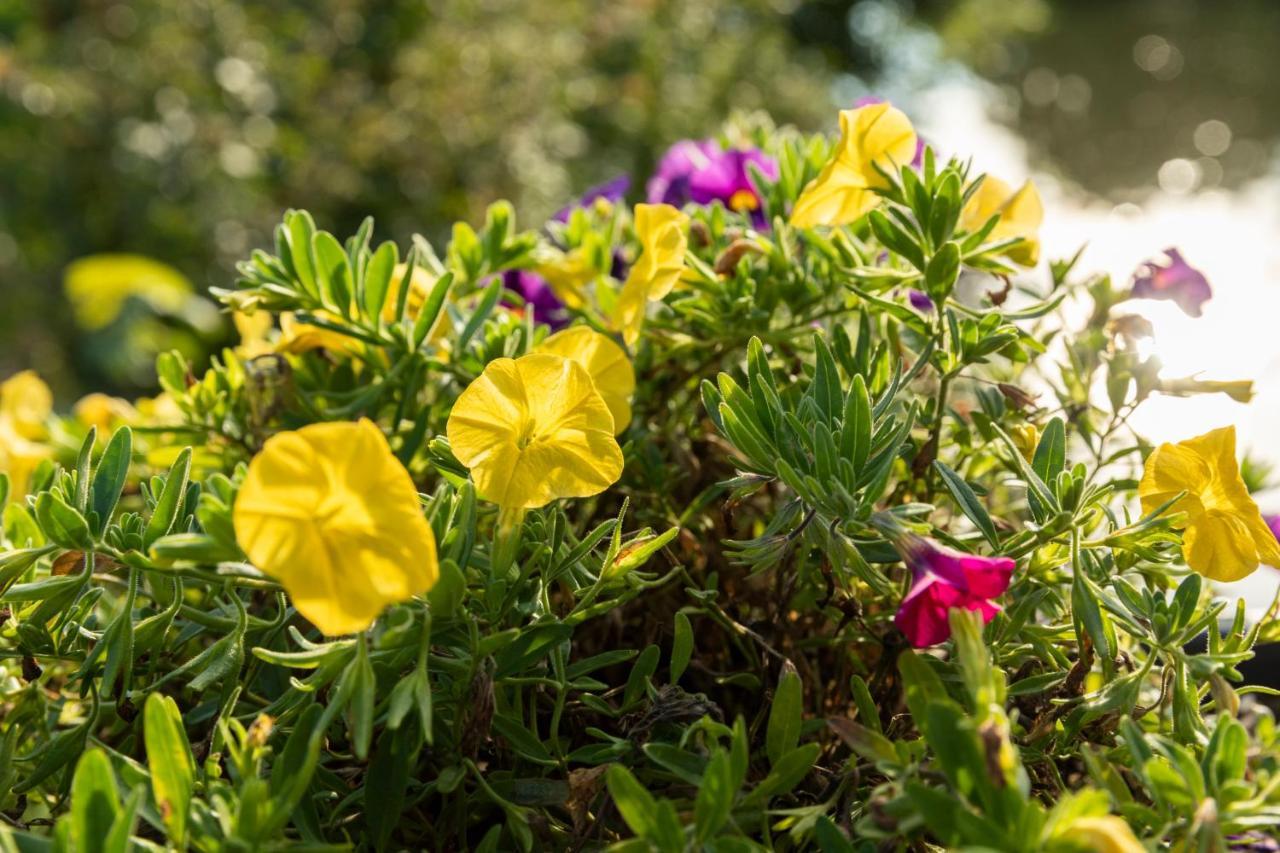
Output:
x=181 y=129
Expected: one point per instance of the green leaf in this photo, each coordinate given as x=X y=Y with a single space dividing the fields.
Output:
x=167 y=507
x=333 y=272
x=681 y=647
x=62 y=523
x=170 y=762
x=426 y=318
x=785 y=715
x=531 y=645
x=968 y=502
x=636 y=805
x=943 y=270
x=83 y=461
x=109 y=478
x=715 y=796
x=377 y=278
x=829 y=837
x=95 y=802
x=786 y=773
x=643 y=669
x=360 y=711
x=299 y=229
x=1050 y=457
x=387 y=781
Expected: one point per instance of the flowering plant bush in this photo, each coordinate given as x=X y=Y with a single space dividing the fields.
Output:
x=806 y=527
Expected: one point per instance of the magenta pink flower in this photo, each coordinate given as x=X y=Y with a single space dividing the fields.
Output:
x=945 y=578
x=1273 y=521
x=703 y=172
x=1177 y=280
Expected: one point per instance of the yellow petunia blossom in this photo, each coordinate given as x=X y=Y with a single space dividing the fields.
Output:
x=661 y=230
x=844 y=191
x=297 y=337
x=1106 y=834
x=104 y=412
x=1021 y=214
x=1225 y=537
x=605 y=362
x=533 y=430
x=1025 y=437
x=568 y=275
x=253 y=329
x=331 y=513
x=26 y=404
x=420 y=284
x=99 y=285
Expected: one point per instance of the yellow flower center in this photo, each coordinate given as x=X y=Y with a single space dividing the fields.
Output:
x=527 y=434
x=743 y=200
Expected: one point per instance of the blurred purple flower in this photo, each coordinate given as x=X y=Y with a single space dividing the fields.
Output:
x=868 y=100
x=1177 y=280
x=537 y=294
x=1273 y=521
x=703 y=172
x=944 y=578
x=919 y=300
x=613 y=191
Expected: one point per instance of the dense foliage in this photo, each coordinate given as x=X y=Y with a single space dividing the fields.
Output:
x=716 y=651
x=181 y=130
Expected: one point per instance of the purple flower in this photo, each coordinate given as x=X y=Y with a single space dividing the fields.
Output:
x=703 y=172
x=945 y=578
x=537 y=294
x=868 y=100
x=1178 y=280
x=1273 y=521
x=613 y=191
x=919 y=300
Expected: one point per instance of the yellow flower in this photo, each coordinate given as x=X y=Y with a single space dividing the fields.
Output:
x=297 y=337
x=104 y=412
x=1225 y=537
x=26 y=403
x=660 y=229
x=160 y=410
x=605 y=362
x=871 y=136
x=1021 y=214
x=253 y=328
x=420 y=284
x=1107 y=834
x=568 y=276
x=19 y=457
x=1240 y=390
x=533 y=430
x=331 y=513
x=1025 y=437
x=98 y=287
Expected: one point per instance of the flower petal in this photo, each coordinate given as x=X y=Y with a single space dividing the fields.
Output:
x=607 y=364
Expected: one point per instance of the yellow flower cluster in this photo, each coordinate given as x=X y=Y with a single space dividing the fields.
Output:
x=331 y=513
x=1224 y=537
